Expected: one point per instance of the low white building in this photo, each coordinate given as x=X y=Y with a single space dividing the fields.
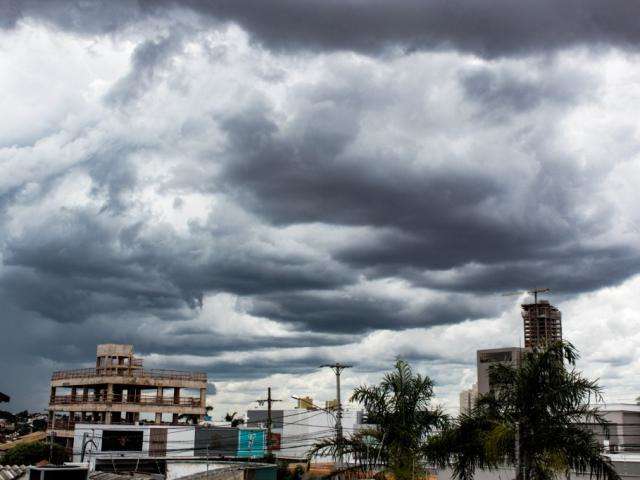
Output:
x=124 y=444
x=295 y=431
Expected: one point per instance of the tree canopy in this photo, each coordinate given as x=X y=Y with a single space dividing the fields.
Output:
x=533 y=419
x=34 y=452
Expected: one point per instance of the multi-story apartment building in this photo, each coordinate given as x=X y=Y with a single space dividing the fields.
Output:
x=468 y=398
x=119 y=390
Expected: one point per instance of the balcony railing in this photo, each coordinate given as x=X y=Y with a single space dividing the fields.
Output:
x=137 y=372
x=70 y=424
x=125 y=399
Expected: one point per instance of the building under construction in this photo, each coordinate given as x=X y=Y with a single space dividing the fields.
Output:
x=119 y=390
x=542 y=323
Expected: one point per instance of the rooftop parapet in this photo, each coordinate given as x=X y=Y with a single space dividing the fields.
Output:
x=157 y=374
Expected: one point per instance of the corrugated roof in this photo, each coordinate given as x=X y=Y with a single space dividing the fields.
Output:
x=12 y=472
x=122 y=476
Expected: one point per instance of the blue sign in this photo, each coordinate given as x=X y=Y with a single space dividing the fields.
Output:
x=251 y=443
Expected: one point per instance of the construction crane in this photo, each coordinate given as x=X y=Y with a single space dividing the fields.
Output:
x=533 y=291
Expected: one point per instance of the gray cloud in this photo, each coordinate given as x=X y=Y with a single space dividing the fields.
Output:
x=490 y=28
x=343 y=195
x=148 y=57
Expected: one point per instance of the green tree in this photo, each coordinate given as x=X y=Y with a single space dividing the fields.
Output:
x=401 y=415
x=531 y=420
x=231 y=418
x=34 y=452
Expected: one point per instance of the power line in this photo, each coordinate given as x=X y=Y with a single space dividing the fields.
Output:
x=269 y=400
x=337 y=369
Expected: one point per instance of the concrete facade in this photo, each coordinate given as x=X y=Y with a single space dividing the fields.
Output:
x=468 y=398
x=485 y=358
x=119 y=390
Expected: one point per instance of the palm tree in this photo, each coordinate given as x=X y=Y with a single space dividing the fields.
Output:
x=401 y=416
x=534 y=419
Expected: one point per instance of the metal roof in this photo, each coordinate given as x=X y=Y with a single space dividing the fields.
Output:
x=12 y=472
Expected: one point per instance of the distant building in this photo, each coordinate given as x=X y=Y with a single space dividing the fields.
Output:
x=623 y=435
x=485 y=358
x=468 y=398
x=542 y=323
x=295 y=431
x=331 y=404
x=4 y=398
x=120 y=391
x=306 y=403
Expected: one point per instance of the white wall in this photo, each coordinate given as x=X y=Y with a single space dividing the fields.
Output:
x=182 y=469
x=180 y=441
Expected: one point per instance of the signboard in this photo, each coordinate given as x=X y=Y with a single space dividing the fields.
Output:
x=251 y=443
x=122 y=440
x=216 y=441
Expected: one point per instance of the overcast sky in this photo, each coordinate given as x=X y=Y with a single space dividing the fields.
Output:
x=254 y=188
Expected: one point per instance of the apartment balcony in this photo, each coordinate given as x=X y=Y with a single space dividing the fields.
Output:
x=138 y=372
x=142 y=400
x=129 y=375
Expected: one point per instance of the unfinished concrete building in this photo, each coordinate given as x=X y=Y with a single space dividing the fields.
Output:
x=119 y=390
x=542 y=323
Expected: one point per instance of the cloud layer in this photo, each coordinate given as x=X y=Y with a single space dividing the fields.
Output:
x=256 y=191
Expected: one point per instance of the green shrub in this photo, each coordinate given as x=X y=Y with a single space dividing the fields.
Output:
x=32 y=453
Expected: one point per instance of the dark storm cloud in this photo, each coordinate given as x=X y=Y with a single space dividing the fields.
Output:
x=488 y=28
x=428 y=207
x=362 y=313
x=422 y=217
x=81 y=263
x=501 y=92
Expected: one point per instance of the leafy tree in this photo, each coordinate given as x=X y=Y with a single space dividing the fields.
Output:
x=34 y=452
x=10 y=417
x=231 y=418
x=401 y=416
x=539 y=406
x=39 y=425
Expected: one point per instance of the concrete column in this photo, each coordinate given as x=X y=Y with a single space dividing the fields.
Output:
x=109 y=393
x=158 y=418
x=175 y=418
x=53 y=393
x=74 y=392
x=176 y=395
x=107 y=418
x=203 y=402
x=159 y=395
x=136 y=417
x=85 y=394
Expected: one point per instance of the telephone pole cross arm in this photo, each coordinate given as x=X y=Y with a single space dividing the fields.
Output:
x=268 y=401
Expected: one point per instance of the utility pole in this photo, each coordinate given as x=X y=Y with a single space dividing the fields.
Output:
x=337 y=369
x=268 y=401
